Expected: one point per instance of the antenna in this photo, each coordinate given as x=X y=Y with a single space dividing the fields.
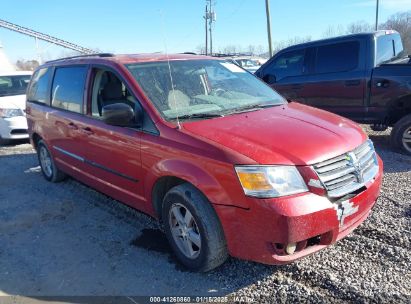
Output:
x=169 y=69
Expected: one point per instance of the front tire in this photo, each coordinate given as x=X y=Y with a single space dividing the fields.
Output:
x=47 y=164
x=401 y=135
x=4 y=142
x=193 y=229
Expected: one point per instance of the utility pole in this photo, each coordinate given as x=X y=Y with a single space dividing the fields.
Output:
x=376 y=15
x=267 y=10
x=206 y=30
x=211 y=18
x=211 y=30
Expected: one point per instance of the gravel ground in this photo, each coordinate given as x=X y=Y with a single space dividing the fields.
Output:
x=66 y=239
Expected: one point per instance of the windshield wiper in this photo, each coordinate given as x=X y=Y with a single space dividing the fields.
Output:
x=199 y=115
x=254 y=107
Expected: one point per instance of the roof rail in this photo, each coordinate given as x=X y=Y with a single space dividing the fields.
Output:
x=190 y=53
x=82 y=56
x=231 y=54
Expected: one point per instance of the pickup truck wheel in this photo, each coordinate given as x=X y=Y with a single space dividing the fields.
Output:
x=47 y=165
x=193 y=229
x=401 y=135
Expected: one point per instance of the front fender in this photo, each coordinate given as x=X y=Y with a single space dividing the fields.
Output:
x=203 y=177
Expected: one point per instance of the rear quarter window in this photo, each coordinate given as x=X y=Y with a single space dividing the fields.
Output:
x=68 y=88
x=38 y=91
x=337 y=57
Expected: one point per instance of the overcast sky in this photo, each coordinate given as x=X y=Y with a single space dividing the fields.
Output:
x=127 y=26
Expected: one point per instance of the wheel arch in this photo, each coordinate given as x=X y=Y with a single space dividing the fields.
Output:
x=35 y=137
x=170 y=173
x=400 y=108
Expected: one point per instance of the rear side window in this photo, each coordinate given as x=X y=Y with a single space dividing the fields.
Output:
x=388 y=48
x=68 y=88
x=39 y=86
x=287 y=65
x=338 y=57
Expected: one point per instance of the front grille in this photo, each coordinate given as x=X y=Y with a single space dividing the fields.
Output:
x=18 y=131
x=349 y=172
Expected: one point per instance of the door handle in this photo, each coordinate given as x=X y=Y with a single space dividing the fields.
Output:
x=352 y=83
x=382 y=83
x=72 y=126
x=87 y=131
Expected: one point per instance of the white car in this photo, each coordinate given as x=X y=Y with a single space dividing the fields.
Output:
x=246 y=63
x=13 y=123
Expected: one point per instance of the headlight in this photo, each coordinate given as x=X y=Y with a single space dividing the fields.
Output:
x=7 y=113
x=270 y=181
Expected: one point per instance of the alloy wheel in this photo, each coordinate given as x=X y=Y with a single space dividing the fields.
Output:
x=185 y=231
x=406 y=139
x=45 y=161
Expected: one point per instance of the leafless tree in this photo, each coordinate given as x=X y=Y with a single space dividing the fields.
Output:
x=333 y=31
x=401 y=22
x=27 y=65
x=278 y=46
x=251 y=49
x=260 y=50
x=231 y=49
x=359 y=27
x=200 y=49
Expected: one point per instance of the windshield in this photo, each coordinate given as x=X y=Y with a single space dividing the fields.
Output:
x=13 y=85
x=197 y=87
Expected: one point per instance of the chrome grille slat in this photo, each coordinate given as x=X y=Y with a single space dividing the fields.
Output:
x=366 y=158
x=330 y=161
x=325 y=177
x=332 y=166
x=349 y=172
x=340 y=179
x=362 y=152
x=368 y=164
x=341 y=184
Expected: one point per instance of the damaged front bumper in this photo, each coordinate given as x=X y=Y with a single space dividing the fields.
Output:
x=281 y=230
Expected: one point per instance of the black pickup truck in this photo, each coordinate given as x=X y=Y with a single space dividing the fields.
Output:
x=365 y=77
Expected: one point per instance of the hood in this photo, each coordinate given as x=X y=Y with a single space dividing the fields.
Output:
x=293 y=134
x=13 y=102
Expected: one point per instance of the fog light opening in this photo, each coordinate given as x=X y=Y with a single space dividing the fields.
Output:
x=314 y=241
x=290 y=248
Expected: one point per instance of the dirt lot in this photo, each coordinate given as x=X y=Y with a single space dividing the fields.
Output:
x=66 y=239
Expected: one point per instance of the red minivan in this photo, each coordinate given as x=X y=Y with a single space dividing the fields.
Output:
x=226 y=164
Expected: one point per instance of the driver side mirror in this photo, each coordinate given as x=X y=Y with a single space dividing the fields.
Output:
x=269 y=79
x=122 y=115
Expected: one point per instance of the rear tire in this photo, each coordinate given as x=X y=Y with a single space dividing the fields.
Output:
x=47 y=164
x=401 y=135
x=193 y=229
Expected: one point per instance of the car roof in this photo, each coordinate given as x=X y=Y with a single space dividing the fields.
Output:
x=127 y=58
x=339 y=38
x=15 y=73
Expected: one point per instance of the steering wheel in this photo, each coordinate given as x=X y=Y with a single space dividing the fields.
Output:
x=219 y=91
